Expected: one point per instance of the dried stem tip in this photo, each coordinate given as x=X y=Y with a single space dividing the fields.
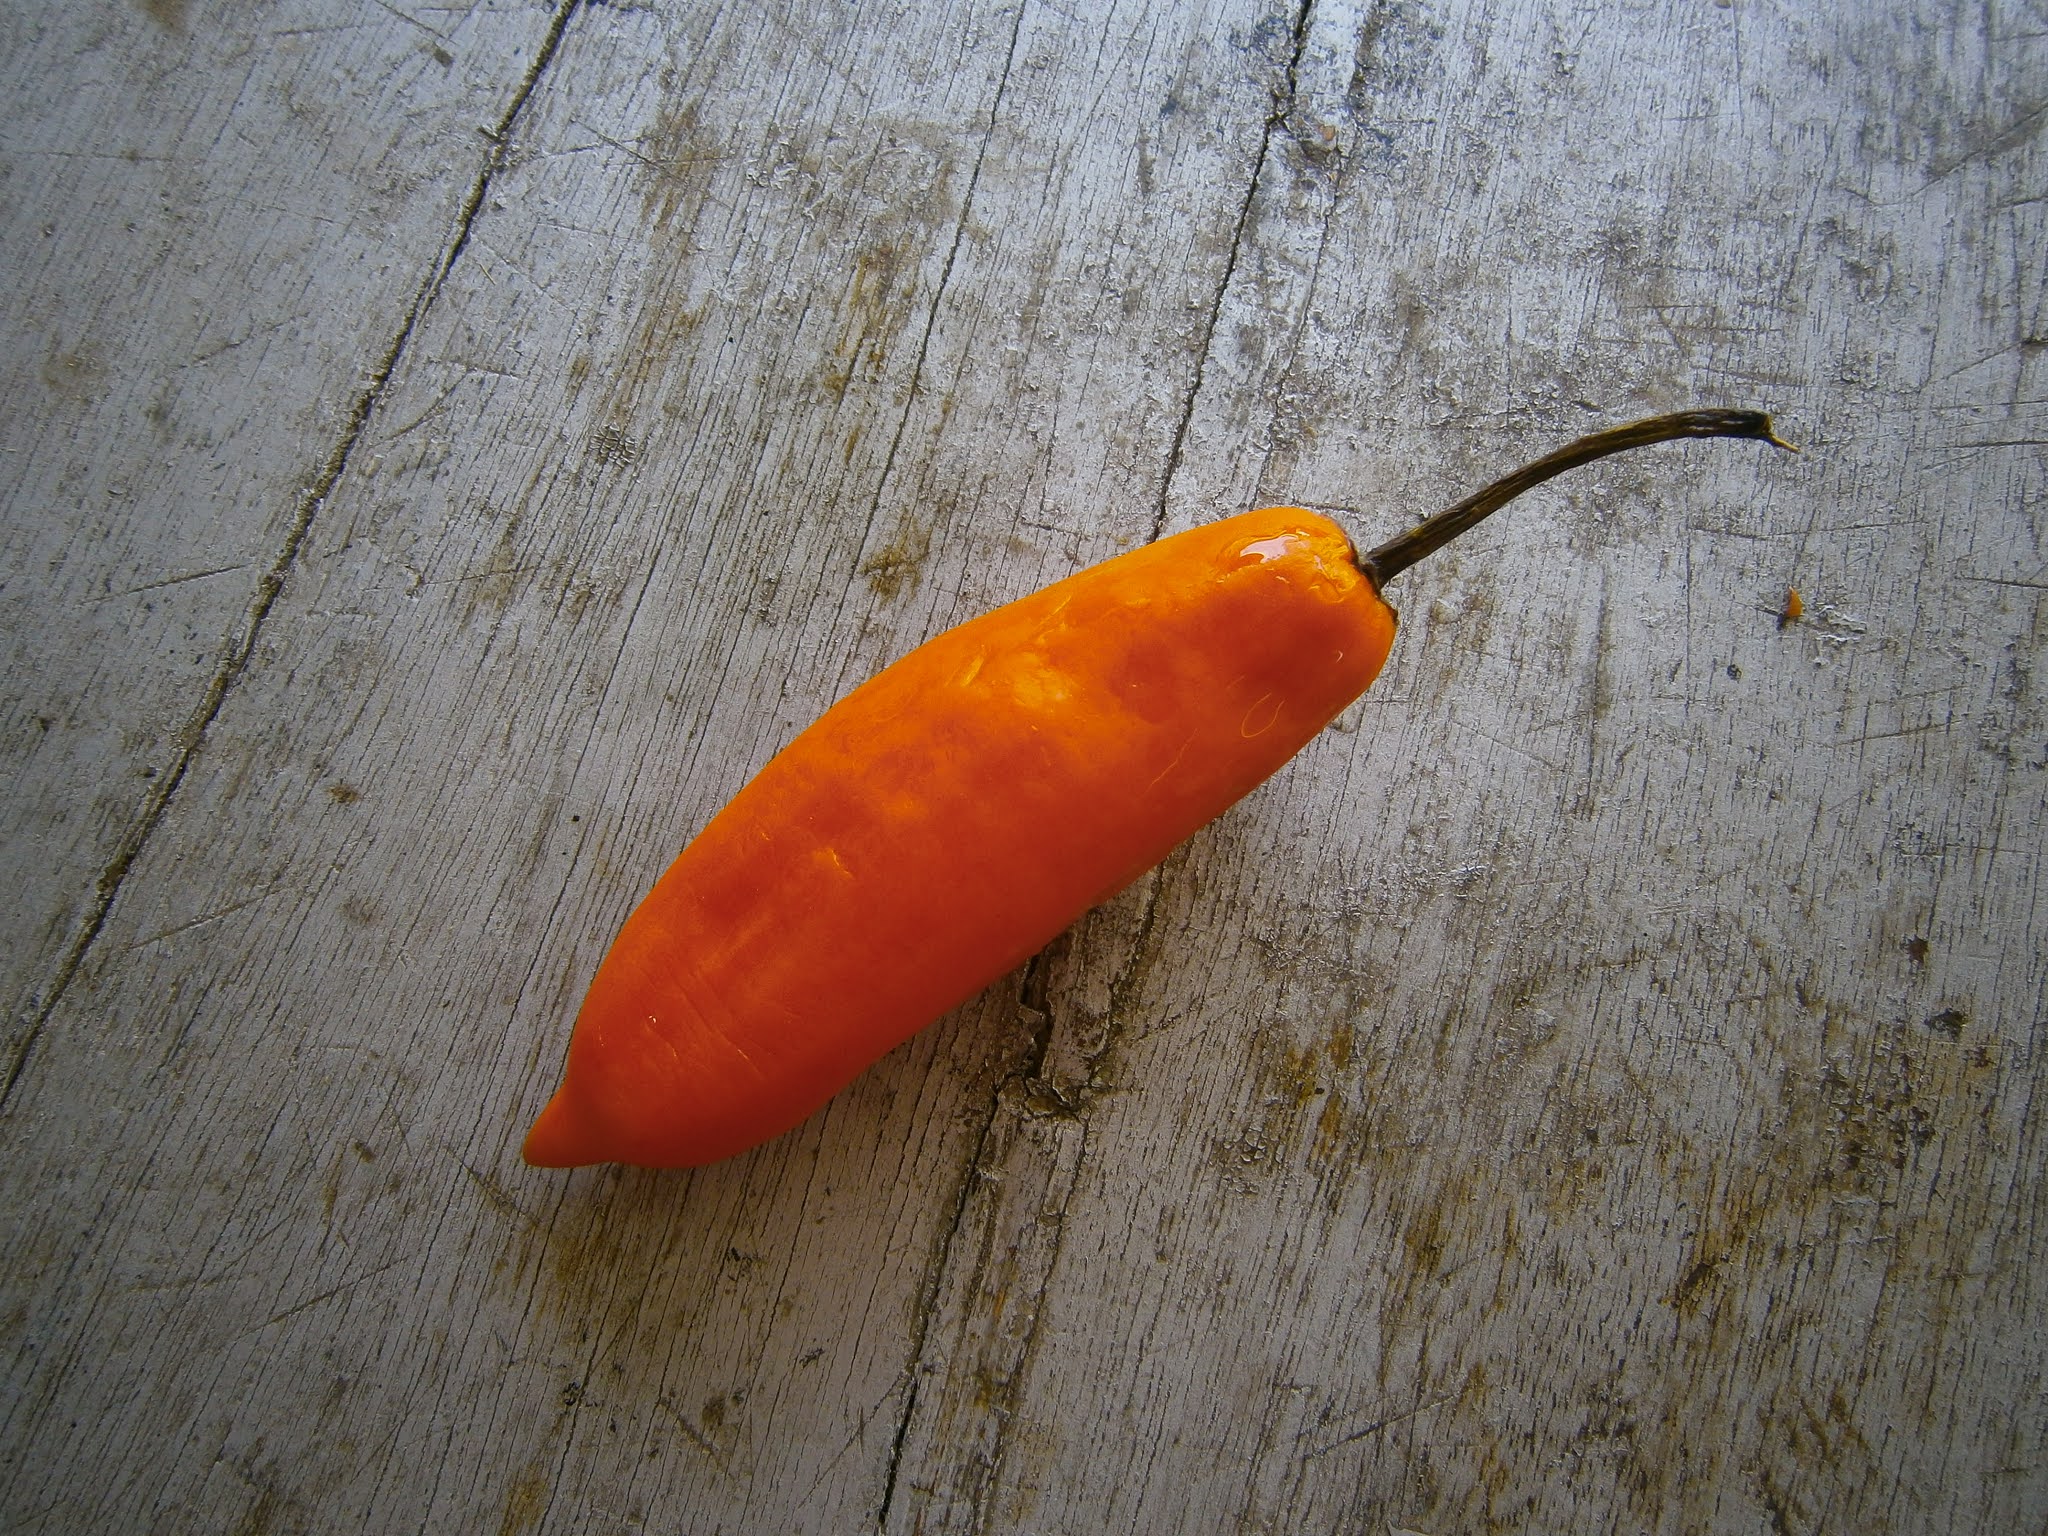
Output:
x=1425 y=538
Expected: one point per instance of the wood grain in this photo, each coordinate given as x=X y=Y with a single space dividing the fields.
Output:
x=218 y=224
x=1591 y=1088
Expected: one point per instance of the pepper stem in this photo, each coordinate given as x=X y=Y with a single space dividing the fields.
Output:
x=1427 y=537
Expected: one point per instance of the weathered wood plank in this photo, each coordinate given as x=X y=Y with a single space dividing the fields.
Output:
x=1590 y=1089
x=662 y=469
x=216 y=220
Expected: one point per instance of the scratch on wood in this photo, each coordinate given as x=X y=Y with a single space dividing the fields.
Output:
x=327 y=1295
x=694 y=1435
x=860 y=1430
x=499 y=1197
x=1377 y=1426
x=170 y=581
x=200 y=922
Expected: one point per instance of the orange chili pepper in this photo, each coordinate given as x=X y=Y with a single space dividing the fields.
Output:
x=948 y=818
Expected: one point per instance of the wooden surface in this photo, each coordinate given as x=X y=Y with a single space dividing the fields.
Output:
x=446 y=451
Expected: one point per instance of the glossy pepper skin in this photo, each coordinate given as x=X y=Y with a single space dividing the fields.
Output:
x=949 y=818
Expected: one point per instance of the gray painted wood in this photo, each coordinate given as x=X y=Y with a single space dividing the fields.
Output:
x=1591 y=1088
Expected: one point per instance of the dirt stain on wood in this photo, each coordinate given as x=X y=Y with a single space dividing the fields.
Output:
x=1849 y=1145
x=659 y=339
x=677 y=160
x=493 y=588
x=526 y=1502
x=74 y=376
x=877 y=309
x=171 y=15
x=896 y=566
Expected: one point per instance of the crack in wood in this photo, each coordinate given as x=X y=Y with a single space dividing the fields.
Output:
x=932 y=1289
x=931 y=319
x=1030 y=1075
x=903 y=1428
x=241 y=644
x=1276 y=119
x=1027 y=1086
